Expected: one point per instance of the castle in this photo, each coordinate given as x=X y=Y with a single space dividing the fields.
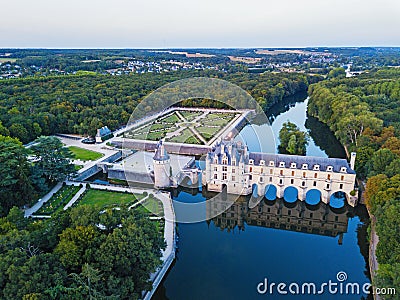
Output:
x=230 y=165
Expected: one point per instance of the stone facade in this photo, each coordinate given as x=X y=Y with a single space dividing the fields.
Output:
x=162 y=167
x=231 y=165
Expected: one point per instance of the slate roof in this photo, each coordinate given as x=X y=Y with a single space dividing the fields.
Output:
x=161 y=154
x=103 y=131
x=238 y=152
x=323 y=162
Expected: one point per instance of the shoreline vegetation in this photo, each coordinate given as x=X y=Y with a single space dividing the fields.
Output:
x=364 y=114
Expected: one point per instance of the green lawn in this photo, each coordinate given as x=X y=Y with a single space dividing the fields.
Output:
x=58 y=200
x=83 y=154
x=101 y=198
x=151 y=206
x=190 y=115
x=187 y=137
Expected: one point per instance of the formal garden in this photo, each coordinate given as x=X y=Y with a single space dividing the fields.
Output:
x=182 y=126
x=58 y=200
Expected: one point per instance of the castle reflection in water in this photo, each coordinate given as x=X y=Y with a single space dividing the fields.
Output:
x=238 y=212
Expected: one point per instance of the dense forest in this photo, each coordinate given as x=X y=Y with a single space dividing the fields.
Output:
x=80 y=104
x=364 y=113
x=70 y=257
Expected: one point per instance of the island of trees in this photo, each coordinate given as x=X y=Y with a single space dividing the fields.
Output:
x=292 y=140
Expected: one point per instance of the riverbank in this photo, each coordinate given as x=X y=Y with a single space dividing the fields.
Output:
x=373 y=243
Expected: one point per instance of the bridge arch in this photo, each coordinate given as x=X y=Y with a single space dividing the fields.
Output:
x=338 y=199
x=270 y=192
x=313 y=196
x=291 y=194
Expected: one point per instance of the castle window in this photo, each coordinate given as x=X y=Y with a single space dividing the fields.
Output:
x=261 y=179
x=270 y=179
x=262 y=162
x=251 y=169
x=292 y=181
x=304 y=174
x=215 y=176
x=292 y=173
x=316 y=167
x=233 y=178
x=224 y=176
x=303 y=183
x=315 y=183
x=215 y=169
x=224 y=168
x=315 y=175
x=281 y=181
x=261 y=170
x=270 y=171
x=251 y=162
x=293 y=165
x=233 y=162
x=329 y=177
x=329 y=168
x=250 y=177
x=341 y=186
x=342 y=178
x=282 y=164
x=233 y=171
x=215 y=160
x=304 y=166
x=328 y=186
x=343 y=169
x=225 y=161
x=281 y=172
x=271 y=163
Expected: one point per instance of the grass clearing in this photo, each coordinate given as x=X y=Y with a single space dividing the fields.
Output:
x=84 y=154
x=102 y=198
x=151 y=206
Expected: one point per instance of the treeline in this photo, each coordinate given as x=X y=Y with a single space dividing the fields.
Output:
x=80 y=104
x=364 y=113
x=71 y=257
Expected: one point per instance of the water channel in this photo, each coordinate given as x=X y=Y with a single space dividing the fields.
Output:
x=279 y=240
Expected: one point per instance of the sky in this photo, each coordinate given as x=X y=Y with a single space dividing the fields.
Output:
x=198 y=24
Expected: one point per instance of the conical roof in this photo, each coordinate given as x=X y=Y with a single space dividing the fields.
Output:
x=161 y=154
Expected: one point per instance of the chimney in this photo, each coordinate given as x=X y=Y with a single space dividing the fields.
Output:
x=353 y=160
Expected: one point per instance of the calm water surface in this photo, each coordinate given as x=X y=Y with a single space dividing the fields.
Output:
x=226 y=257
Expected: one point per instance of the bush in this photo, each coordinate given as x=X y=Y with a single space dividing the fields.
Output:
x=353 y=193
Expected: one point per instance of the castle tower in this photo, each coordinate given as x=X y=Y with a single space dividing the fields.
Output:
x=162 y=167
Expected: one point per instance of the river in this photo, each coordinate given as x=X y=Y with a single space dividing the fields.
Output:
x=279 y=241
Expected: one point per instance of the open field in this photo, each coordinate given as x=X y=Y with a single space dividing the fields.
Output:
x=5 y=59
x=83 y=154
x=101 y=198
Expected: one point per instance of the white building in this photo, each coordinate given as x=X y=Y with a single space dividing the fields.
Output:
x=230 y=165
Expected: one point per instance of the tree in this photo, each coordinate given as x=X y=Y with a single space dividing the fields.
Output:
x=51 y=159
x=292 y=140
x=15 y=185
x=379 y=161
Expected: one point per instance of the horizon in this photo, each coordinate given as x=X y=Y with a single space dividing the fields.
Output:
x=208 y=24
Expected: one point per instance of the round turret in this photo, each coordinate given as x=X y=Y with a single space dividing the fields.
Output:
x=162 y=167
